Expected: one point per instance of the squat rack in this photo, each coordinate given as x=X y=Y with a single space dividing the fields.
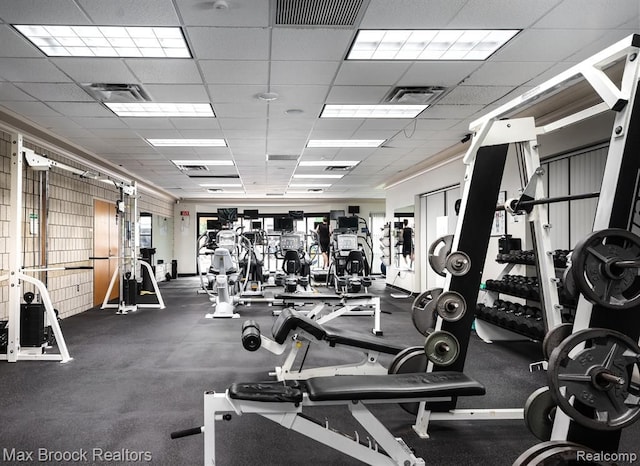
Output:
x=485 y=162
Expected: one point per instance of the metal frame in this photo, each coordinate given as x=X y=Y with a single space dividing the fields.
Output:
x=16 y=273
x=615 y=204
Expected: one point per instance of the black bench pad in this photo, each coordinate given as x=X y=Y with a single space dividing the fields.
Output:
x=289 y=319
x=358 y=340
x=308 y=297
x=392 y=386
x=358 y=296
x=272 y=391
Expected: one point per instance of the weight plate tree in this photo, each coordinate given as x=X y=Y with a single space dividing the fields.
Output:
x=590 y=378
x=605 y=267
x=555 y=453
x=539 y=413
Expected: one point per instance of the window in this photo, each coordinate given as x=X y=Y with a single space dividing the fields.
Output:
x=145 y=228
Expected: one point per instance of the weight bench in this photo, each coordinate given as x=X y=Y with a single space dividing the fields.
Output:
x=284 y=404
x=295 y=331
x=346 y=304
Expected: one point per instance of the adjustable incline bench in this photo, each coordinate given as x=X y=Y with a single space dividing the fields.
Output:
x=284 y=405
x=346 y=304
x=296 y=331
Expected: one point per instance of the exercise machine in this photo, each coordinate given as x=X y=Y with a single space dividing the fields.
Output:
x=295 y=333
x=223 y=276
x=295 y=265
x=349 y=268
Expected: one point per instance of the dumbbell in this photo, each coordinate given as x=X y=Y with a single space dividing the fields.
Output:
x=251 y=339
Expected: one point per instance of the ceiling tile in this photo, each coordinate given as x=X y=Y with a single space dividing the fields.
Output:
x=177 y=92
x=414 y=14
x=240 y=13
x=235 y=71
x=363 y=73
x=475 y=95
x=111 y=121
x=155 y=71
x=201 y=133
x=147 y=123
x=9 y=92
x=450 y=111
x=195 y=123
x=61 y=92
x=15 y=45
x=229 y=43
x=133 y=13
x=497 y=14
x=81 y=109
x=30 y=109
x=39 y=12
x=432 y=73
x=579 y=14
x=241 y=109
x=545 y=45
x=95 y=70
x=298 y=95
x=357 y=94
x=115 y=133
x=310 y=110
x=31 y=70
x=303 y=72
x=226 y=93
x=507 y=73
x=310 y=44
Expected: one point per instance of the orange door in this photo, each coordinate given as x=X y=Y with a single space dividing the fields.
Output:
x=105 y=245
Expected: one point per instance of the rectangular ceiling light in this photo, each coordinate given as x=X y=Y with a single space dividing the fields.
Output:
x=433 y=44
x=309 y=185
x=372 y=111
x=328 y=163
x=160 y=109
x=312 y=176
x=188 y=142
x=107 y=41
x=221 y=185
x=345 y=142
x=192 y=163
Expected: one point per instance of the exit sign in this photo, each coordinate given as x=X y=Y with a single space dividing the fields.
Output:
x=184 y=213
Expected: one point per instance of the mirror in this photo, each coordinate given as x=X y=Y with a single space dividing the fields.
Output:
x=404 y=236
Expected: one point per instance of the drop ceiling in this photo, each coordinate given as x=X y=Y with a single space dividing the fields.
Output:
x=240 y=51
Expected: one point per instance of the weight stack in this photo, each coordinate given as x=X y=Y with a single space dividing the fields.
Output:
x=31 y=325
x=130 y=291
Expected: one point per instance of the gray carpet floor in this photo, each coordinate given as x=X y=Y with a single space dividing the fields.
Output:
x=136 y=378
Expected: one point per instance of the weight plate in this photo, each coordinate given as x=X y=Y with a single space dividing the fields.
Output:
x=589 y=378
x=458 y=263
x=451 y=306
x=593 y=263
x=539 y=411
x=554 y=453
x=442 y=348
x=423 y=312
x=438 y=252
x=409 y=360
x=554 y=337
x=569 y=283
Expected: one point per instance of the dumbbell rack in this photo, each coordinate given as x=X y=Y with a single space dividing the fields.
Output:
x=385 y=244
x=515 y=320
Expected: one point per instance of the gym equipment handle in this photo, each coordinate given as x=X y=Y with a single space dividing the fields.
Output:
x=187 y=432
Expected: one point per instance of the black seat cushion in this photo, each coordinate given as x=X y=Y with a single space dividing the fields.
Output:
x=392 y=386
x=289 y=319
x=271 y=392
x=359 y=340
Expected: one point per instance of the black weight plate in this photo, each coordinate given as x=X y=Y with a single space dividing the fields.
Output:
x=539 y=411
x=437 y=260
x=595 y=277
x=575 y=386
x=413 y=360
x=423 y=311
x=554 y=337
x=552 y=453
x=442 y=348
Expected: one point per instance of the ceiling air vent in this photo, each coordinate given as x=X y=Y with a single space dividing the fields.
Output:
x=338 y=168
x=315 y=190
x=111 y=92
x=320 y=13
x=193 y=168
x=275 y=194
x=282 y=157
x=214 y=190
x=415 y=95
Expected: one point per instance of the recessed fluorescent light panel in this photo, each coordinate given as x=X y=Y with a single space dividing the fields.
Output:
x=372 y=111
x=433 y=44
x=344 y=142
x=165 y=109
x=107 y=41
x=193 y=163
x=309 y=185
x=188 y=142
x=328 y=163
x=312 y=176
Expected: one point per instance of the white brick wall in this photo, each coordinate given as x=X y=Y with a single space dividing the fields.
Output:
x=69 y=226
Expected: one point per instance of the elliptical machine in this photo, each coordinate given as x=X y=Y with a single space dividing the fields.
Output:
x=295 y=265
x=223 y=276
x=350 y=266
